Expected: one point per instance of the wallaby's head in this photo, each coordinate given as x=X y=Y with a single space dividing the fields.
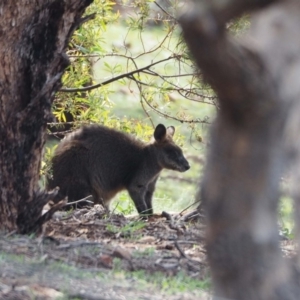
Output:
x=169 y=155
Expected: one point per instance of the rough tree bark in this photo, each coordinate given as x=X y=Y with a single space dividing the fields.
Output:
x=257 y=82
x=33 y=37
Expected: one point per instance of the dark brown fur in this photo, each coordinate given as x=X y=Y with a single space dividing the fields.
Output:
x=101 y=161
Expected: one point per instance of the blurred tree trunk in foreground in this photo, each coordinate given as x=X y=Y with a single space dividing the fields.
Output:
x=33 y=37
x=255 y=134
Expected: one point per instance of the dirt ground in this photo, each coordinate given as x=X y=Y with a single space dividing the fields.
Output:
x=85 y=254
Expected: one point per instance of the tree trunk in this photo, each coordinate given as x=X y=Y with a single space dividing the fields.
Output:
x=33 y=37
x=257 y=84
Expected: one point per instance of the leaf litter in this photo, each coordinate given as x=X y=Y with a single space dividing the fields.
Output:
x=108 y=256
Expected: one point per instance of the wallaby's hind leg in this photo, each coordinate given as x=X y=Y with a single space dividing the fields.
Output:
x=98 y=198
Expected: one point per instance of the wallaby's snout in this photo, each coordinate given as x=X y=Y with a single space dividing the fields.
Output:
x=182 y=164
x=185 y=165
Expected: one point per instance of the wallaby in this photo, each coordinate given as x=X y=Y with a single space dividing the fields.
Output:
x=99 y=161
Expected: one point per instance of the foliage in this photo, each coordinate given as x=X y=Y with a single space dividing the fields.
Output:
x=130 y=70
x=122 y=205
x=286 y=217
x=46 y=164
x=146 y=59
x=126 y=230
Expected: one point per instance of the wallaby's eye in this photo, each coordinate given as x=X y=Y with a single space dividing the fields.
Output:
x=172 y=153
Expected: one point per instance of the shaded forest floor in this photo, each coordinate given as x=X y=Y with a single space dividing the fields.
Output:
x=85 y=254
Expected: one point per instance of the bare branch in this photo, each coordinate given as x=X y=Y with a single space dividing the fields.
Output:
x=162 y=9
x=165 y=115
x=91 y=87
x=85 y=200
x=85 y=19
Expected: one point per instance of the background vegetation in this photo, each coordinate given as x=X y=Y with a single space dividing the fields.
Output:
x=131 y=70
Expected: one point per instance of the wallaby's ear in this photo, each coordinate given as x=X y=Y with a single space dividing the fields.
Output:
x=171 y=130
x=160 y=132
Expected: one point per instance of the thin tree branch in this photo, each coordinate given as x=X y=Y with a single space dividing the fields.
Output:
x=166 y=13
x=91 y=87
x=85 y=19
x=165 y=115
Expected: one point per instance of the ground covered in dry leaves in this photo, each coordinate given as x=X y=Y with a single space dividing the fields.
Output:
x=85 y=254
